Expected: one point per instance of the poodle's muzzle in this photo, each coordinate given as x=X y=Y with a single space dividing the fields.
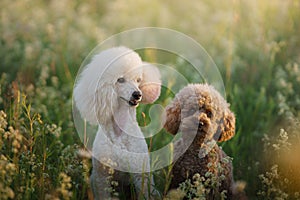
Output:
x=135 y=98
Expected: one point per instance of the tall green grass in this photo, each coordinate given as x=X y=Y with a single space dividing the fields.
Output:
x=255 y=44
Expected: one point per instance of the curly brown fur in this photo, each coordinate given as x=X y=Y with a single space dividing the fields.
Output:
x=200 y=110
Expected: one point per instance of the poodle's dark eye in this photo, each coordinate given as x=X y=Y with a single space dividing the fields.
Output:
x=138 y=80
x=209 y=114
x=121 y=80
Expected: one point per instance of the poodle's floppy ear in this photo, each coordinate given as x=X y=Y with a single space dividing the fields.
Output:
x=173 y=117
x=94 y=98
x=227 y=126
x=151 y=83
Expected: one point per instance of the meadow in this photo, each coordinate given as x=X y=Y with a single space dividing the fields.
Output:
x=255 y=44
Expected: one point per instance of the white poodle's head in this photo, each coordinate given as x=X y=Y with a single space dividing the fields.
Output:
x=115 y=77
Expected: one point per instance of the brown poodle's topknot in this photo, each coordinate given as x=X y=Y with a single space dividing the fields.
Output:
x=207 y=105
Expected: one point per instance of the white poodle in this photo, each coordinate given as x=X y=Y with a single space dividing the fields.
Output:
x=107 y=93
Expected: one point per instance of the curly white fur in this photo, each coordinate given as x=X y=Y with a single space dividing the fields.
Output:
x=103 y=95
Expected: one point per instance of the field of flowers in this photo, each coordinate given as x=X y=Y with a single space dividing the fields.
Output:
x=255 y=44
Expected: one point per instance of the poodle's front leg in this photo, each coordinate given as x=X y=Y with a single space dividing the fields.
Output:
x=99 y=181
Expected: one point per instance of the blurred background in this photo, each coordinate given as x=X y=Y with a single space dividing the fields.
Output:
x=255 y=44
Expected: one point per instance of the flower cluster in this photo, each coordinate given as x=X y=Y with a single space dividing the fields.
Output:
x=32 y=154
x=201 y=187
x=282 y=180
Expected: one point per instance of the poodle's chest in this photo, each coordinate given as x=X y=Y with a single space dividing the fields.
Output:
x=126 y=153
x=109 y=142
x=123 y=142
x=130 y=143
x=190 y=163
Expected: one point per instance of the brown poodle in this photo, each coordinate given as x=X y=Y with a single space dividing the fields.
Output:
x=202 y=116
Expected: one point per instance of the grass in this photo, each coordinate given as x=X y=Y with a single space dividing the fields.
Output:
x=255 y=44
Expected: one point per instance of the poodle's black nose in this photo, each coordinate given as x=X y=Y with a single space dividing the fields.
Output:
x=137 y=95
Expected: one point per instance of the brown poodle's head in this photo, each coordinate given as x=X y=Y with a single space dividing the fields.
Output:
x=199 y=107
